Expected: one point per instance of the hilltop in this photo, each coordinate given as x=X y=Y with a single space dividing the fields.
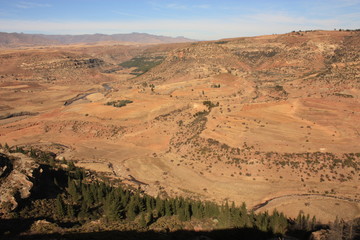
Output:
x=269 y=120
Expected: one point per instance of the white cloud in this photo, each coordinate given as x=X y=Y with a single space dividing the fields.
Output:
x=26 y=5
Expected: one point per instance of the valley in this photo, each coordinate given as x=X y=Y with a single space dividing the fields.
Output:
x=270 y=119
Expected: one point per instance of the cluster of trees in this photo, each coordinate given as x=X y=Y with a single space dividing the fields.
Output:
x=80 y=197
x=142 y=64
x=118 y=103
x=215 y=85
x=210 y=104
x=97 y=199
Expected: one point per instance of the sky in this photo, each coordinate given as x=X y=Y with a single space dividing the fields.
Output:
x=195 y=19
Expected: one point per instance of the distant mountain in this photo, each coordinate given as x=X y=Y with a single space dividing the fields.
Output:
x=22 y=39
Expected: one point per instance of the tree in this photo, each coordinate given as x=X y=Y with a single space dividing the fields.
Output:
x=6 y=147
x=160 y=206
x=225 y=217
x=84 y=210
x=113 y=209
x=60 y=207
x=277 y=223
x=87 y=195
x=168 y=208
x=142 y=221
x=313 y=223
x=73 y=190
x=70 y=211
x=132 y=210
x=187 y=211
x=149 y=203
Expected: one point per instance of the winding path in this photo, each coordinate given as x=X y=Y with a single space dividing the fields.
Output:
x=263 y=204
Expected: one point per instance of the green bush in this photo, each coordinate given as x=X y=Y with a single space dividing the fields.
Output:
x=118 y=103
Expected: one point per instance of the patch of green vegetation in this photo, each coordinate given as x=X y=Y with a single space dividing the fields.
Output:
x=221 y=42
x=142 y=64
x=210 y=104
x=201 y=114
x=119 y=103
x=215 y=85
x=343 y=95
x=279 y=88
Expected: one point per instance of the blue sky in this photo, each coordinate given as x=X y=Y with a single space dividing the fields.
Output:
x=197 y=19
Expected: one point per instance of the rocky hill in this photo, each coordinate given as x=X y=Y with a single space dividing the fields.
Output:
x=16 y=175
x=296 y=60
x=268 y=120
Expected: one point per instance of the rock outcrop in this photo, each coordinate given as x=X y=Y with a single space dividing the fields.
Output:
x=16 y=179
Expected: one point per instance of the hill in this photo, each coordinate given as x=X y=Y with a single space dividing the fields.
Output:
x=268 y=120
x=14 y=40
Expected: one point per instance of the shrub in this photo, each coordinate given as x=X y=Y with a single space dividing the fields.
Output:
x=118 y=103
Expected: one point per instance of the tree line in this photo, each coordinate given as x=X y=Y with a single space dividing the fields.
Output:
x=86 y=198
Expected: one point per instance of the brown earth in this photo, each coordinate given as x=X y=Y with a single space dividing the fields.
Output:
x=285 y=119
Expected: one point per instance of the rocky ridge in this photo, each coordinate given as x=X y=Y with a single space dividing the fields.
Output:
x=18 y=172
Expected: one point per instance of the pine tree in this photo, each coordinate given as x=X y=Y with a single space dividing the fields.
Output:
x=299 y=221
x=187 y=211
x=70 y=211
x=148 y=203
x=71 y=166
x=313 y=223
x=168 y=208
x=125 y=199
x=307 y=222
x=149 y=218
x=160 y=206
x=274 y=222
x=139 y=202
x=60 y=207
x=84 y=210
x=32 y=153
x=142 y=221
x=235 y=216
x=181 y=214
x=113 y=209
x=225 y=216
x=87 y=195
x=244 y=218
x=262 y=221
x=132 y=210
x=73 y=190
x=197 y=209
x=101 y=189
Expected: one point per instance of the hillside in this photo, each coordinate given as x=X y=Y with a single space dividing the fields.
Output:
x=13 y=40
x=270 y=121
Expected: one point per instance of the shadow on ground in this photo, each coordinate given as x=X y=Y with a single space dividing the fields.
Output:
x=11 y=229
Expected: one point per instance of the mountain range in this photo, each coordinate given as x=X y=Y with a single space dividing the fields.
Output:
x=22 y=39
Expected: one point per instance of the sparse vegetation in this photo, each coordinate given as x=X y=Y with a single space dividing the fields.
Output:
x=142 y=64
x=80 y=198
x=119 y=103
